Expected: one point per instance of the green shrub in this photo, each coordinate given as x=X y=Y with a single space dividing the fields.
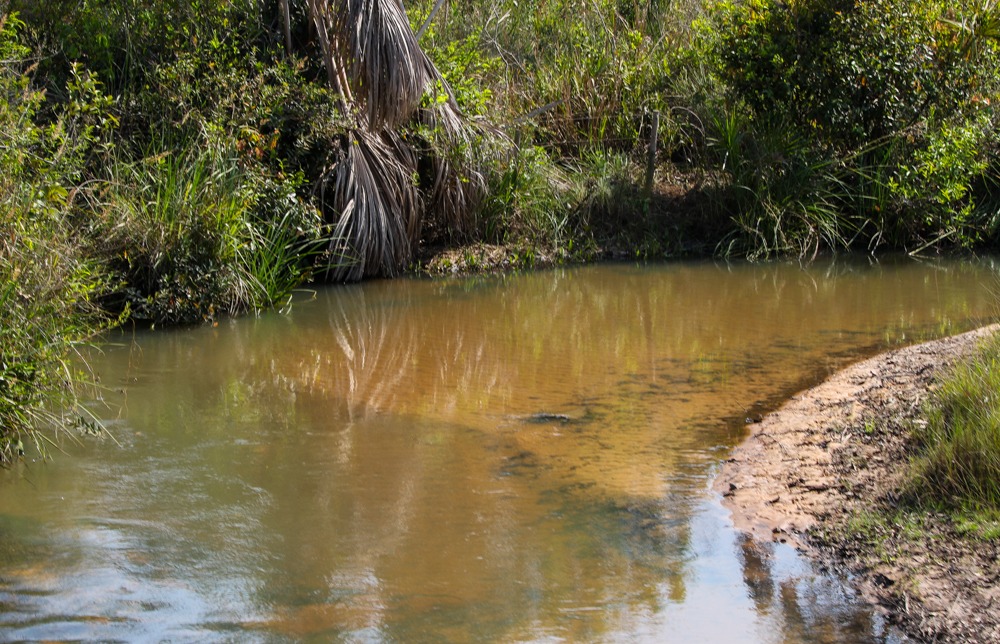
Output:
x=851 y=71
x=46 y=283
x=123 y=40
x=203 y=207
x=844 y=123
x=937 y=179
x=470 y=74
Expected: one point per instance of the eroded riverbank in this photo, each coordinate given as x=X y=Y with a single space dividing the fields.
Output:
x=818 y=470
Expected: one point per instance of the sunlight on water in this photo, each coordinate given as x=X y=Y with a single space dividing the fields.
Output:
x=525 y=458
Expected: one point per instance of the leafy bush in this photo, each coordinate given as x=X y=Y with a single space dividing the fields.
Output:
x=850 y=71
x=862 y=122
x=46 y=283
x=203 y=206
x=469 y=73
x=122 y=41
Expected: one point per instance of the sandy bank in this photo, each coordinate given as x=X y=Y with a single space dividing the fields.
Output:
x=811 y=472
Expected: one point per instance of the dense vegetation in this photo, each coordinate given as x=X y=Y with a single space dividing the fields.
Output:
x=174 y=161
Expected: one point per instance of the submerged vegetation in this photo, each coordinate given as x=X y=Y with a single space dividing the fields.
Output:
x=172 y=162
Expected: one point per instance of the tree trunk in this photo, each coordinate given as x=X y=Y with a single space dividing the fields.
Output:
x=286 y=17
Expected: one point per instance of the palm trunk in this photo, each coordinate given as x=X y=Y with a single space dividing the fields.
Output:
x=287 y=24
x=334 y=71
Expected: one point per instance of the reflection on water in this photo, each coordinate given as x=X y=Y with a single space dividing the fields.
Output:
x=523 y=458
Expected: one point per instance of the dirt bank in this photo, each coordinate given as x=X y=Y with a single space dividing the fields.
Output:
x=822 y=474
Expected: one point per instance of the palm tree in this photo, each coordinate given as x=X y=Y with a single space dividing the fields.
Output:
x=375 y=64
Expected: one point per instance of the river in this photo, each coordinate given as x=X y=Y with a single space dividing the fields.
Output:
x=515 y=458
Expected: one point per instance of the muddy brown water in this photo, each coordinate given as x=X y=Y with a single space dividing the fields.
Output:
x=526 y=458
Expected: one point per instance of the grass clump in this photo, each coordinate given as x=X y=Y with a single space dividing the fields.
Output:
x=958 y=464
x=192 y=234
x=531 y=197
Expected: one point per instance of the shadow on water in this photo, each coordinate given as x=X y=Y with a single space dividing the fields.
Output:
x=520 y=459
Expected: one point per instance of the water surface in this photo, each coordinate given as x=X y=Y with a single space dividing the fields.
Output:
x=525 y=458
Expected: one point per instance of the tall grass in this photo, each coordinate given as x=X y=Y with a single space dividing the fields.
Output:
x=193 y=235
x=782 y=193
x=958 y=465
x=277 y=257
x=530 y=198
x=603 y=63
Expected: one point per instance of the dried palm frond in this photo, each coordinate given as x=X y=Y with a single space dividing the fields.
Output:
x=372 y=189
x=460 y=151
x=375 y=63
x=387 y=68
x=408 y=159
x=457 y=192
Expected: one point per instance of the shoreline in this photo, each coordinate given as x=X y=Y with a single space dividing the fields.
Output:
x=820 y=473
